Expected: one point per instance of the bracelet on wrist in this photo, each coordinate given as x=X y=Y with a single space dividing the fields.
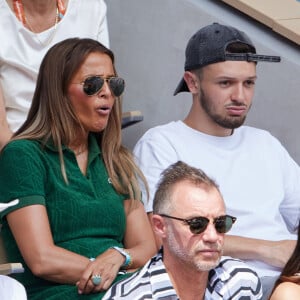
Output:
x=128 y=259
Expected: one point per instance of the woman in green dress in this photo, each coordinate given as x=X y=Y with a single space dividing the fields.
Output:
x=79 y=224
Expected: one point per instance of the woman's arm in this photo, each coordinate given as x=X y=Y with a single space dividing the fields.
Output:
x=31 y=230
x=5 y=132
x=138 y=241
x=139 y=237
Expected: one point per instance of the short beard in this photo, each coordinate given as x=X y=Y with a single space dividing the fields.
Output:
x=225 y=122
x=188 y=258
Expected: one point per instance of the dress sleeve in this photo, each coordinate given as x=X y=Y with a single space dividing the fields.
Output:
x=22 y=174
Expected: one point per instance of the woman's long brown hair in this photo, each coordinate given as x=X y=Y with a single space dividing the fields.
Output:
x=51 y=116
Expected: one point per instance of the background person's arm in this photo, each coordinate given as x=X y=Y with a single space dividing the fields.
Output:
x=274 y=253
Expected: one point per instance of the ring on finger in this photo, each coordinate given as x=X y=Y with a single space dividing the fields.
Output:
x=96 y=279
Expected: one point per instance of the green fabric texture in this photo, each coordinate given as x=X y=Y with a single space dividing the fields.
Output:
x=86 y=215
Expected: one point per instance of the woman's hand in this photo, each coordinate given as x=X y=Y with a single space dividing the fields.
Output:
x=107 y=266
x=138 y=241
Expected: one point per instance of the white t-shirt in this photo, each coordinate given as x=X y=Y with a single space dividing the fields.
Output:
x=21 y=50
x=11 y=289
x=258 y=179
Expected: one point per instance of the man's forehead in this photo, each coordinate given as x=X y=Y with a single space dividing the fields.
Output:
x=230 y=68
x=187 y=196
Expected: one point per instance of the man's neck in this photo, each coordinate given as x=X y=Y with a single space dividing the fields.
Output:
x=205 y=128
x=200 y=121
x=189 y=284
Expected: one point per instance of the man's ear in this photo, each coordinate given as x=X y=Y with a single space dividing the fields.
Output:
x=159 y=225
x=192 y=82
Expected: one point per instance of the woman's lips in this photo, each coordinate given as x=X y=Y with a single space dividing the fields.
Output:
x=103 y=110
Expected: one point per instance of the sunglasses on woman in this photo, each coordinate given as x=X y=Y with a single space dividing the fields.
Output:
x=198 y=224
x=93 y=84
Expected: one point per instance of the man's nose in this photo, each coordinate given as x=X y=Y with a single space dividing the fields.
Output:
x=238 y=93
x=210 y=234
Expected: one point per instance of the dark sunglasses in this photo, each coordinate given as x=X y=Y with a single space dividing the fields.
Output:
x=93 y=84
x=198 y=225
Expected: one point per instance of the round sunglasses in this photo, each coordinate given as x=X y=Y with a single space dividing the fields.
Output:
x=198 y=224
x=93 y=84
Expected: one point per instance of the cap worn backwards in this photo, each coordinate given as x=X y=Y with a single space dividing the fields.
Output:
x=210 y=44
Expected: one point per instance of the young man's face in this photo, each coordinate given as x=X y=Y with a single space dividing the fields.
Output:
x=226 y=92
x=198 y=252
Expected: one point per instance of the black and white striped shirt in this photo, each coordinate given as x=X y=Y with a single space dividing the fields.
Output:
x=230 y=280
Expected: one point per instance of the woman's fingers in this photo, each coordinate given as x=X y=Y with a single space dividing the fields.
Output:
x=98 y=276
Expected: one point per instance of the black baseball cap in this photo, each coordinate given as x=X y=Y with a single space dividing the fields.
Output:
x=209 y=45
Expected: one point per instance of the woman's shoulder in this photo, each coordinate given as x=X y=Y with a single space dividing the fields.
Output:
x=22 y=147
x=286 y=291
x=23 y=144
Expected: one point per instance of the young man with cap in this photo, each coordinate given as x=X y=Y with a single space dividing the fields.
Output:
x=260 y=182
x=191 y=220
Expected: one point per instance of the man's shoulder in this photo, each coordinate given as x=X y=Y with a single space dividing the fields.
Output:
x=162 y=134
x=137 y=282
x=233 y=276
x=163 y=129
x=149 y=280
x=228 y=263
x=249 y=130
x=252 y=135
x=229 y=268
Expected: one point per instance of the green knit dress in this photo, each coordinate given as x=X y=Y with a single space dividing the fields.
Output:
x=86 y=215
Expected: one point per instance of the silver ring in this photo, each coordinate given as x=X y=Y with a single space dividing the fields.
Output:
x=96 y=279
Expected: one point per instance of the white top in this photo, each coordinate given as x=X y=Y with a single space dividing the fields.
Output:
x=11 y=289
x=21 y=51
x=258 y=179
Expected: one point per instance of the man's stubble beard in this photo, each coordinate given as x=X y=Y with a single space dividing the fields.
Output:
x=229 y=122
x=188 y=258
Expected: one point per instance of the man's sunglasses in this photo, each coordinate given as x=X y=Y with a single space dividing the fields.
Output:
x=93 y=84
x=198 y=225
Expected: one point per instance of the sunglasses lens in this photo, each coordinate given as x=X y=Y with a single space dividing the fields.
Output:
x=92 y=85
x=224 y=224
x=198 y=225
x=117 y=85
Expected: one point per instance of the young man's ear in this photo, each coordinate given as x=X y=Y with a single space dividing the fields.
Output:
x=192 y=82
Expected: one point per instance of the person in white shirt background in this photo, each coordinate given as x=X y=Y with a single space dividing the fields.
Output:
x=259 y=180
x=29 y=28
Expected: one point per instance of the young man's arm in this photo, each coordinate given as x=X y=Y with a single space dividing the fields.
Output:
x=274 y=253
